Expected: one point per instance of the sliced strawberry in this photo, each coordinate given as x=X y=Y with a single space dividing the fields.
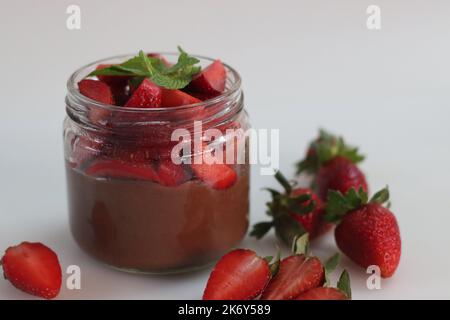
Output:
x=171 y=174
x=147 y=95
x=176 y=98
x=297 y=274
x=98 y=91
x=218 y=176
x=323 y=293
x=203 y=96
x=239 y=275
x=210 y=80
x=33 y=268
x=122 y=170
x=131 y=153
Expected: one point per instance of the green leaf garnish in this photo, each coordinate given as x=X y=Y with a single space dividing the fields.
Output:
x=176 y=76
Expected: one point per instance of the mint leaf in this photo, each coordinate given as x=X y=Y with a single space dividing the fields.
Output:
x=171 y=77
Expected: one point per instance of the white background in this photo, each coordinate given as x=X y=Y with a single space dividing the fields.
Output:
x=305 y=64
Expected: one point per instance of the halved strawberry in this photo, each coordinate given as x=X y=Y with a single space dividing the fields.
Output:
x=33 y=268
x=239 y=275
x=297 y=274
x=123 y=170
x=171 y=174
x=323 y=293
x=98 y=91
x=147 y=95
x=176 y=98
x=210 y=80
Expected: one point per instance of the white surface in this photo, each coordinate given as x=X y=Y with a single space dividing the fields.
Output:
x=304 y=64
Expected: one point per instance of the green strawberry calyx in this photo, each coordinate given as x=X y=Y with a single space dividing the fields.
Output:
x=324 y=149
x=280 y=209
x=343 y=284
x=339 y=204
x=329 y=267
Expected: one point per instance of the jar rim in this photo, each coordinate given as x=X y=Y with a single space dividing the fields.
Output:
x=73 y=91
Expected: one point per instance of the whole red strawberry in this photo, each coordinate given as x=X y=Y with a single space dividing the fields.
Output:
x=239 y=275
x=367 y=232
x=333 y=164
x=33 y=268
x=294 y=212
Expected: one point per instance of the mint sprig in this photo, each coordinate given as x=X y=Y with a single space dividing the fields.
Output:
x=176 y=76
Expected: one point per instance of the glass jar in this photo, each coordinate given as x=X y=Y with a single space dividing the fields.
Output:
x=130 y=205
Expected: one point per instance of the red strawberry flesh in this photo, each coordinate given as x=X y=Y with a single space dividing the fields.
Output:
x=239 y=275
x=297 y=274
x=323 y=293
x=100 y=92
x=122 y=170
x=96 y=90
x=171 y=174
x=147 y=95
x=176 y=98
x=33 y=268
x=210 y=80
x=218 y=176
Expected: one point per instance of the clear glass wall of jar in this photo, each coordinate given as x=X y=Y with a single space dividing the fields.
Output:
x=129 y=205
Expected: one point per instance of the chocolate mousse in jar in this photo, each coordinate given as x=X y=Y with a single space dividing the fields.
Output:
x=157 y=161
